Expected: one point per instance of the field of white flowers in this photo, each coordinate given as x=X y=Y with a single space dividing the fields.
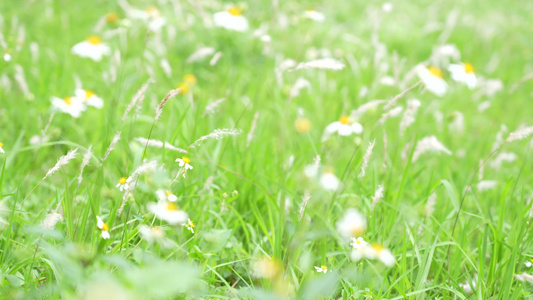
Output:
x=201 y=149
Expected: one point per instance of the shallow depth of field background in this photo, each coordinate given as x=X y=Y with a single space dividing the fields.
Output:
x=262 y=221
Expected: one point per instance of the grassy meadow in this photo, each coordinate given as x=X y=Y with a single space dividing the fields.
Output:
x=183 y=149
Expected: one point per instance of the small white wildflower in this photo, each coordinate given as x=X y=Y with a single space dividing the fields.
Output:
x=165 y=195
x=231 y=19
x=89 y=98
x=352 y=224
x=464 y=73
x=73 y=106
x=344 y=127
x=124 y=183
x=184 y=162
x=168 y=211
x=409 y=115
x=321 y=269
x=151 y=234
x=315 y=15
x=104 y=227
x=358 y=243
x=190 y=225
x=329 y=181
x=432 y=77
x=92 y=47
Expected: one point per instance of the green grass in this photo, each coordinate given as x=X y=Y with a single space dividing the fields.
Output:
x=488 y=245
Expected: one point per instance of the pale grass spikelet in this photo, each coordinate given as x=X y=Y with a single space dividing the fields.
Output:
x=371 y=105
x=300 y=84
x=458 y=123
x=212 y=107
x=378 y=195
x=207 y=184
x=391 y=114
x=524 y=277
x=159 y=144
x=63 y=160
x=51 y=220
x=384 y=150
x=520 y=134
x=136 y=98
x=499 y=137
x=43 y=132
x=250 y=135
x=409 y=115
x=395 y=99
x=85 y=162
x=501 y=158
x=170 y=95
x=200 y=54
x=217 y=134
x=481 y=170
x=486 y=185
x=146 y=167
x=305 y=199
x=323 y=63
x=21 y=80
x=429 y=144
x=282 y=67
x=366 y=158
x=430 y=205
x=116 y=138
x=215 y=58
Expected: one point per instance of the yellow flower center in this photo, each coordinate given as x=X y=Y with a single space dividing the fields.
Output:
x=358 y=241
x=1 y=144
x=122 y=180
x=529 y=260
x=6 y=51
x=105 y=227
x=377 y=247
x=190 y=79
x=153 y=12
x=172 y=206
x=184 y=88
x=323 y=267
x=303 y=125
x=112 y=17
x=88 y=94
x=436 y=71
x=469 y=68
x=344 y=120
x=168 y=193
x=356 y=231
x=191 y=224
x=235 y=11
x=95 y=40
x=186 y=159
x=67 y=100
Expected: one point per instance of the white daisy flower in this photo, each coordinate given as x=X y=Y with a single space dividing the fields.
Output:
x=358 y=243
x=104 y=227
x=92 y=48
x=164 y=195
x=190 y=225
x=315 y=15
x=322 y=269
x=231 y=19
x=68 y=105
x=344 y=126
x=1 y=148
x=89 y=98
x=7 y=56
x=377 y=251
x=432 y=77
x=352 y=224
x=184 y=162
x=329 y=181
x=151 y=234
x=168 y=211
x=124 y=183
x=464 y=73
x=152 y=15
